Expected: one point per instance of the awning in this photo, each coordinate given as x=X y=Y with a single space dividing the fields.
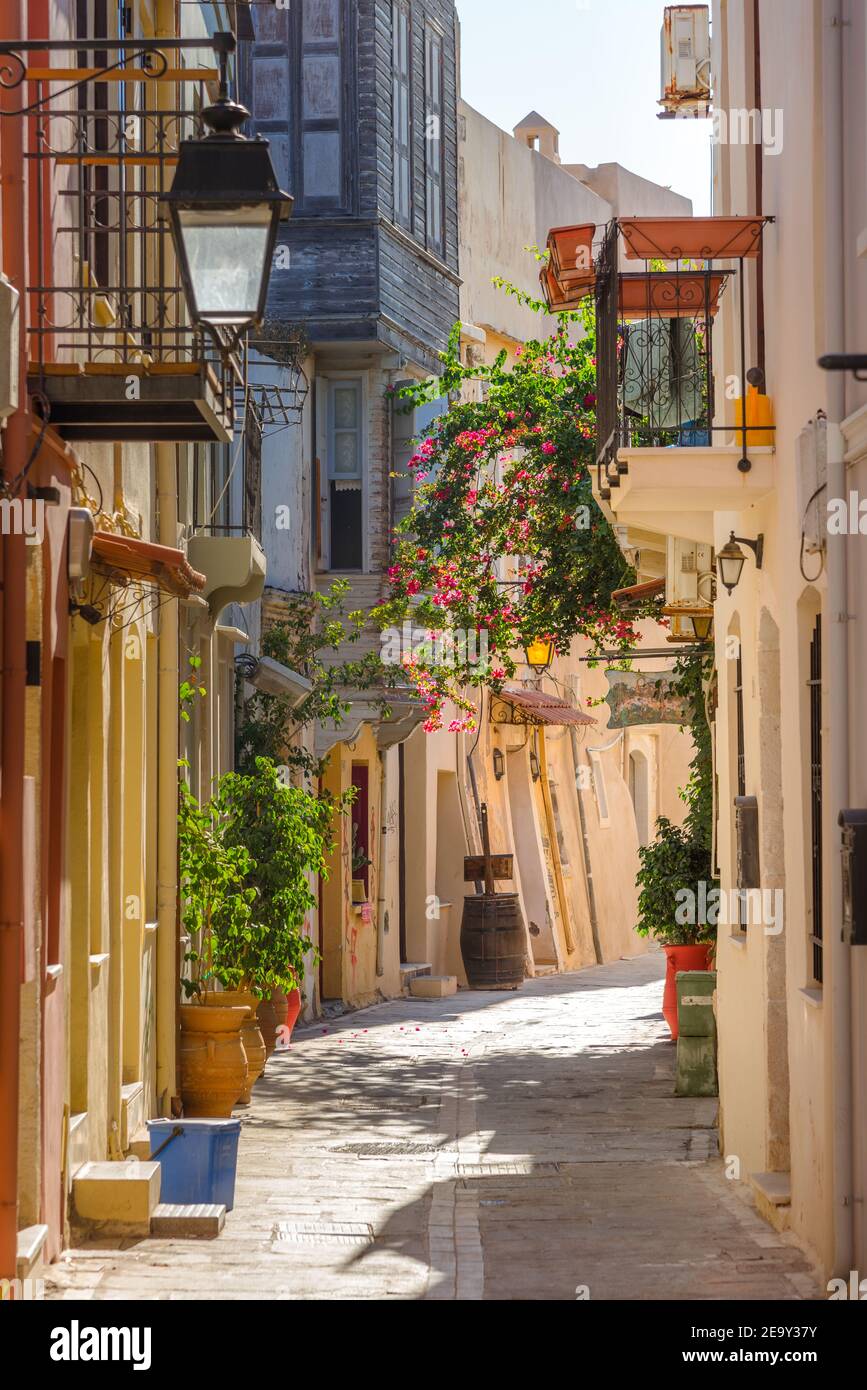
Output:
x=634 y=593
x=692 y=238
x=273 y=678
x=142 y=560
x=534 y=707
x=670 y=294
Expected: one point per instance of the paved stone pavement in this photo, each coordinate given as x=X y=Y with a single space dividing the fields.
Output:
x=499 y=1146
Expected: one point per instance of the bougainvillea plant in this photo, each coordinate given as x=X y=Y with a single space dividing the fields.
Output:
x=505 y=542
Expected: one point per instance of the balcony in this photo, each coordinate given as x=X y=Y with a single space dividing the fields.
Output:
x=112 y=356
x=666 y=460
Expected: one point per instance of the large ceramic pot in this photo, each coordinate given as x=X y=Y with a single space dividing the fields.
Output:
x=266 y=1017
x=213 y=1063
x=254 y=1045
x=293 y=1009
x=680 y=958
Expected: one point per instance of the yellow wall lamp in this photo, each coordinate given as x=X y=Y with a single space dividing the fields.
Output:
x=731 y=559
x=539 y=654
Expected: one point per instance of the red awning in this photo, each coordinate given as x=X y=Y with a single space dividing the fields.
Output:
x=142 y=560
x=683 y=294
x=692 y=238
x=538 y=707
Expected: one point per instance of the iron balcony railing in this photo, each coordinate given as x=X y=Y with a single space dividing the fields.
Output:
x=655 y=370
x=106 y=292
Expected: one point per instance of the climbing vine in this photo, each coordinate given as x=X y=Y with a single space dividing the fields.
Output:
x=505 y=542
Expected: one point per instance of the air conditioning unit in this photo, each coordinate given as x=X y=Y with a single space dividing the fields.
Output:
x=686 y=82
x=812 y=475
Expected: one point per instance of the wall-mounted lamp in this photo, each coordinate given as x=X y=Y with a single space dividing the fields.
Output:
x=731 y=559
x=535 y=769
x=539 y=655
x=499 y=764
x=79 y=543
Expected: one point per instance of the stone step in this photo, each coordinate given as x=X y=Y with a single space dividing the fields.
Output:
x=773 y=1196
x=413 y=970
x=433 y=986
x=188 y=1220
x=116 y=1199
x=31 y=1242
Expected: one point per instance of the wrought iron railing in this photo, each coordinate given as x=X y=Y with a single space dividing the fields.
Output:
x=655 y=375
x=106 y=288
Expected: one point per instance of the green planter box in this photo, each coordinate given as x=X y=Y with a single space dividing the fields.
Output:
x=696 y=1043
x=695 y=1016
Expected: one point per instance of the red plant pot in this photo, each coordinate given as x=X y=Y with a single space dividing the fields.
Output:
x=294 y=1009
x=680 y=958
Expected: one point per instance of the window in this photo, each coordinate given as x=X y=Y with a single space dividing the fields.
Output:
x=402 y=113
x=558 y=825
x=294 y=82
x=739 y=714
x=321 y=102
x=640 y=793
x=361 y=850
x=344 y=473
x=433 y=140
x=599 y=787
x=815 y=686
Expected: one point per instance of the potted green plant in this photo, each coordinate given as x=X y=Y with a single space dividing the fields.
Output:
x=360 y=861
x=216 y=903
x=285 y=831
x=672 y=867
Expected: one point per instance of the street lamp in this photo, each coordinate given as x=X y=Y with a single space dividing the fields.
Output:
x=225 y=206
x=731 y=559
x=539 y=655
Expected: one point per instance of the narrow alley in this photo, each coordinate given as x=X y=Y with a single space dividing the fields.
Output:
x=486 y=1146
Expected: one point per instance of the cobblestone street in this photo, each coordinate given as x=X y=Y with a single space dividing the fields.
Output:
x=490 y=1146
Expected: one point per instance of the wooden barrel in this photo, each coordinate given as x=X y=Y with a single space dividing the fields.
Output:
x=493 y=941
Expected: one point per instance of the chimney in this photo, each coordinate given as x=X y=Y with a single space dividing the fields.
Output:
x=538 y=134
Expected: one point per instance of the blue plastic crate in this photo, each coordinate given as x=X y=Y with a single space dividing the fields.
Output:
x=197 y=1164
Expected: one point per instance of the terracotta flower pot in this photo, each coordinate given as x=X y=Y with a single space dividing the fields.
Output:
x=254 y=1045
x=266 y=1016
x=680 y=958
x=293 y=1009
x=281 y=1005
x=213 y=1063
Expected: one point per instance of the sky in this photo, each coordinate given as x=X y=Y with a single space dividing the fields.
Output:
x=591 y=68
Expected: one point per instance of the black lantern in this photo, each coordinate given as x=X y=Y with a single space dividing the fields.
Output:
x=225 y=206
x=499 y=764
x=731 y=559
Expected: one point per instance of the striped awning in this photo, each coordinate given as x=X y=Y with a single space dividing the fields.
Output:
x=146 y=562
x=534 y=707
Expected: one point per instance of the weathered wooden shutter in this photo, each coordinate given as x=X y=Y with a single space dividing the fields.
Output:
x=322 y=134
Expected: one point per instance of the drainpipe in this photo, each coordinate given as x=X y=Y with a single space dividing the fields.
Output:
x=14 y=599
x=167 y=798
x=168 y=965
x=837 y=683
